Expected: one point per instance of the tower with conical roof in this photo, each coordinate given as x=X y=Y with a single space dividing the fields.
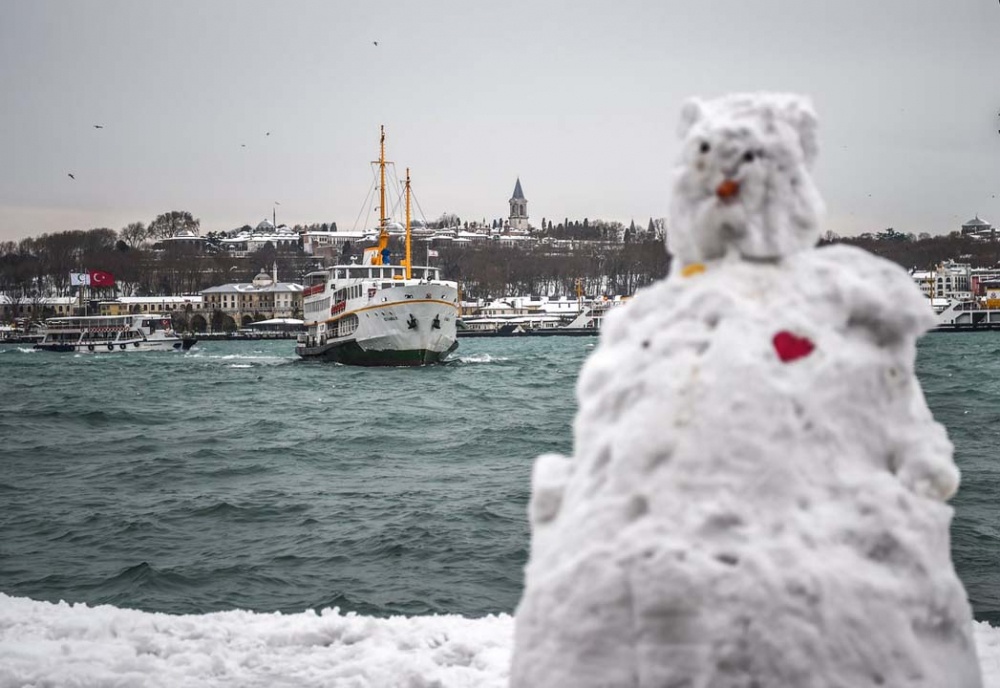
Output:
x=518 y=209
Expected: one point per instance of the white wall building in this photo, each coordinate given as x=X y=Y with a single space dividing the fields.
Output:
x=314 y=242
x=265 y=295
x=13 y=308
x=949 y=280
x=282 y=237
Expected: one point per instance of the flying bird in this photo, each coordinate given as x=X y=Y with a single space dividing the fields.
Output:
x=243 y=145
x=277 y=203
x=98 y=126
x=267 y=134
x=72 y=176
x=376 y=43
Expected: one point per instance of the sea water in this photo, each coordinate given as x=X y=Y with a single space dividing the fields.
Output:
x=236 y=476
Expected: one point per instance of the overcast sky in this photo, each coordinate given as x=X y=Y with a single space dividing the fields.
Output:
x=578 y=98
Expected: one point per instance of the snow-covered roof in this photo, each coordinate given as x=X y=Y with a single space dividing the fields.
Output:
x=259 y=238
x=245 y=288
x=193 y=298
x=45 y=301
x=976 y=222
x=279 y=321
x=185 y=235
x=342 y=235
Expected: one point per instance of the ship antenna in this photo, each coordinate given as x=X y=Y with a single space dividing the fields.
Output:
x=408 y=262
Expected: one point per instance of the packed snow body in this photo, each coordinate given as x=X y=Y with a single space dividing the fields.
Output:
x=44 y=644
x=757 y=492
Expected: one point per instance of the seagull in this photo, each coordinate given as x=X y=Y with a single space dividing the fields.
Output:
x=98 y=126
x=267 y=134
x=72 y=176
x=243 y=145
x=277 y=203
x=376 y=43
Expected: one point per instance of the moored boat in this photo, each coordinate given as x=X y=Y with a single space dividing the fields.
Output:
x=112 y=334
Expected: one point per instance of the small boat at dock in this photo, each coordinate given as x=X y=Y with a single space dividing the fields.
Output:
x=102 y=334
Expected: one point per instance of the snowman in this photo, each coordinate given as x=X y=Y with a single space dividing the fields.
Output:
x=757 y=496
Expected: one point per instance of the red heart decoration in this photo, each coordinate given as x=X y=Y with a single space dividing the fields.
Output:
x=790 y=347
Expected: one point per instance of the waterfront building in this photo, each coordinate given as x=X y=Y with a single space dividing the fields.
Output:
x=245 y=302
x=925 y=280
x=949 y=280
x=953 y=281
x=12 y=308
x=518 y=219
x=125 y=305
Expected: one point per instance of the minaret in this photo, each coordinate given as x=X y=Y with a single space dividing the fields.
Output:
x=518 y=209
x=274 y=272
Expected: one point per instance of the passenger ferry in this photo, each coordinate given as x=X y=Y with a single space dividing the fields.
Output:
x=112 y=334
x=376 y=312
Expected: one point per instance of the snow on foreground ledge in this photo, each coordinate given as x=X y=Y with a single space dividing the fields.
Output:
x=45 y=644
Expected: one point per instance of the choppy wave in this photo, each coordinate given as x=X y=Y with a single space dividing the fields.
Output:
x=483 y=358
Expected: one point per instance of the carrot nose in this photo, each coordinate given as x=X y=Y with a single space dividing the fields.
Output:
x=727 y=189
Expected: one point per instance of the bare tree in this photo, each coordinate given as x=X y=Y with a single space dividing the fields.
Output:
x=172 y=223
x=134 y=234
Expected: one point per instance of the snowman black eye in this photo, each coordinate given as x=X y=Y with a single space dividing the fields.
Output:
x=748 y=156
x=704 y=147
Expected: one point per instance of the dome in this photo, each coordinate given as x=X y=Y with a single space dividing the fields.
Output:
x=265 y=226
x=262 y=280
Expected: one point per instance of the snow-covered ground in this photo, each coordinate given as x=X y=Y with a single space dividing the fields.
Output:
x=43 y=644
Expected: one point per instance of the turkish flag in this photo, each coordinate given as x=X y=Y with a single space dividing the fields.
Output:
x=101 y=279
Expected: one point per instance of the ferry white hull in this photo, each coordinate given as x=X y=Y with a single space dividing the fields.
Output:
x=408 y=328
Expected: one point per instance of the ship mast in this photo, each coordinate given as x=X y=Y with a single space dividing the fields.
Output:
x=381 y=167
x=408 y=261
x=383 y=235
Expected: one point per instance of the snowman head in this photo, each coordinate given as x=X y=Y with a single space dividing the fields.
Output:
x=743 y=182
